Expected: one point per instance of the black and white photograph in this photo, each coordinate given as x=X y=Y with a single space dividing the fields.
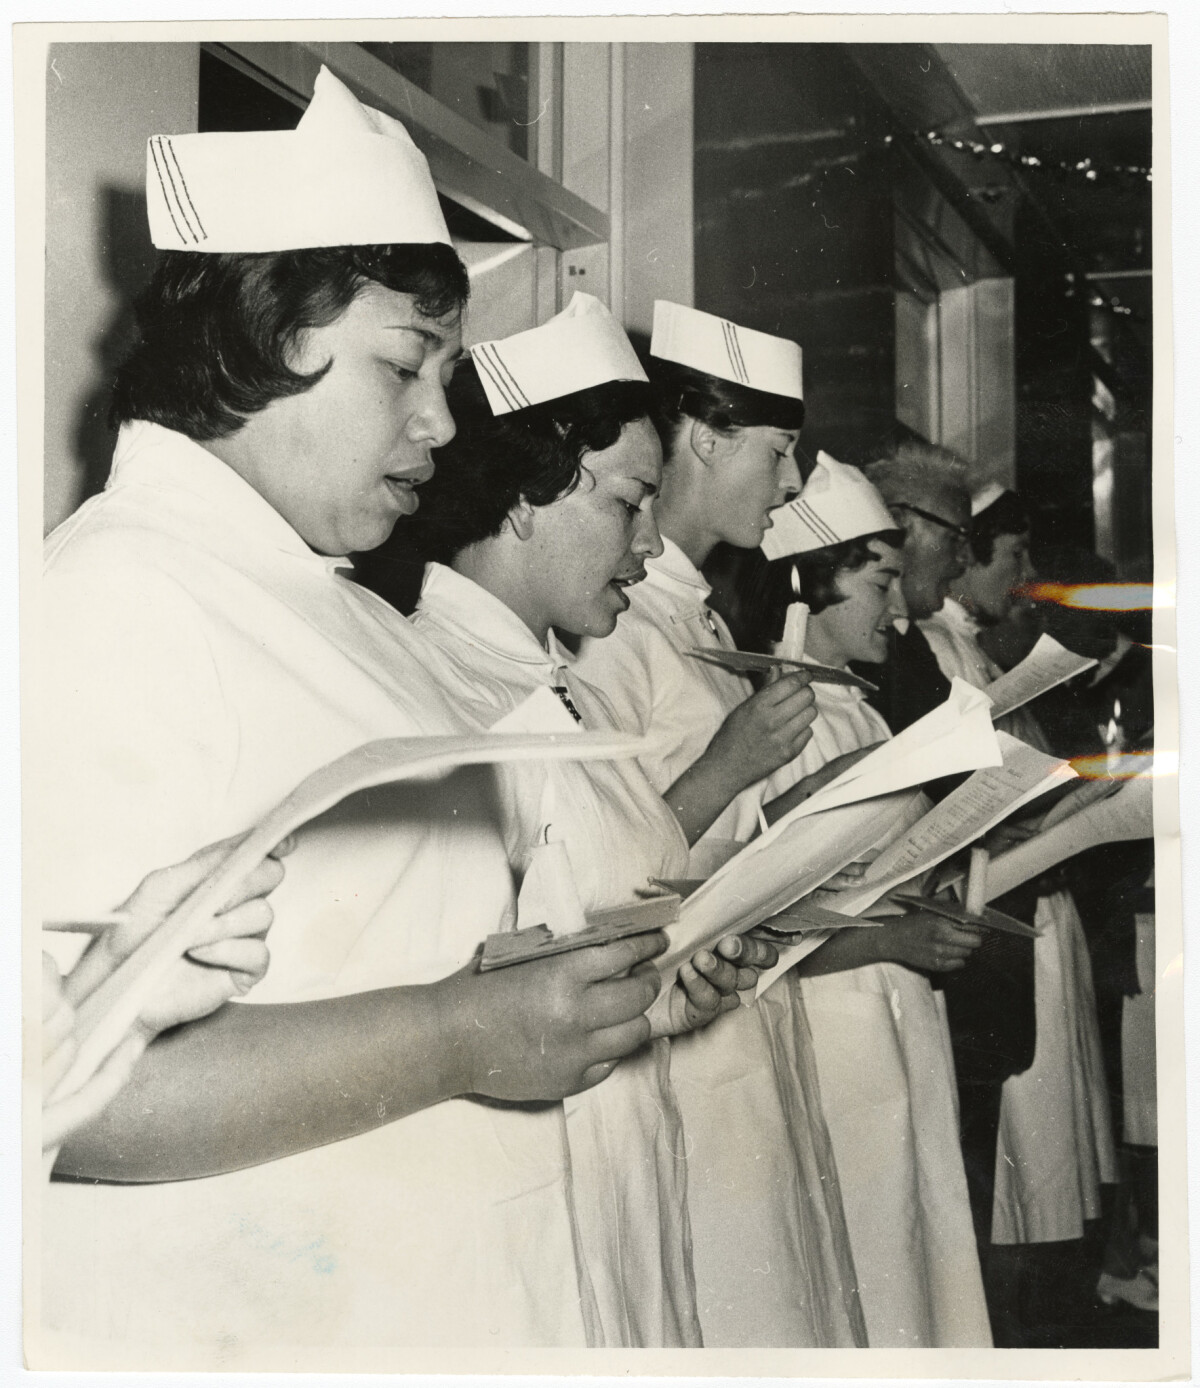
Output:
x=599 y=698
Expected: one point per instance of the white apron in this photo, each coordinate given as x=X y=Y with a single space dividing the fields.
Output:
x=770 y=1250
x=887 y=1079
x=200 y=660
x=625 y=1137
x=1055 y=1145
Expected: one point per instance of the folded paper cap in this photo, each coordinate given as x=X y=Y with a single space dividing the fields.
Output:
x=837 y=503
x=580 y=347
x=986 y=496
x=722 y=349
x=346 y=176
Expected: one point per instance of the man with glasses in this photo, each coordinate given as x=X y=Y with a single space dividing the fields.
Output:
x=925 y=488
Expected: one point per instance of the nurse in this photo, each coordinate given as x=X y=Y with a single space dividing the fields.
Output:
x=772 y=1257
x=541 y=509
x=359 y=1172
x=1055 y=1143
x=878 y=1028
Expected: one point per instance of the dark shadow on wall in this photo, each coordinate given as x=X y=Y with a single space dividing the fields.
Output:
x=127 y=259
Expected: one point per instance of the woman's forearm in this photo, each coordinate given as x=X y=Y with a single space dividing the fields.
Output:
x=845 y=949
x=700 y=795
x=254 y=1083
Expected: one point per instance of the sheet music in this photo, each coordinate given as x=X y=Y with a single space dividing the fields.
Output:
x=771 y=872
x=1049 y=664
x=1126 y=814
x=956 y=736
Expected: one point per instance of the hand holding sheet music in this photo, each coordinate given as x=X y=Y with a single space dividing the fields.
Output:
x=107 y=1014
x=990 y=795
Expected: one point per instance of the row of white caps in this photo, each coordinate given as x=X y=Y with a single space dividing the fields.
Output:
x=585 y=346
x=349 y=175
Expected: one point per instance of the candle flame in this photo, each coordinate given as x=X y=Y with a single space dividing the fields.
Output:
x=796 y=582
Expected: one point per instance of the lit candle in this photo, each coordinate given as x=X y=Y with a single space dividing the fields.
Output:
x=795 y=626
x=977 y=882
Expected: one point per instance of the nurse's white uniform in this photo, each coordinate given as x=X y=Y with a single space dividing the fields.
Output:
x=771 y=1254
x=1055 y=1144
x=887 y=1079
x=628 y=1151
x=199 y=659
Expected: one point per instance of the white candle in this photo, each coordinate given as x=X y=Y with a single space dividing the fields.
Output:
x=548 y=894
x=795 y=626
x=977 y=882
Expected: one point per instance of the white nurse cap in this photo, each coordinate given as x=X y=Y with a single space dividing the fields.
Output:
x=986 y=496
x=582 y=346
x=837 y=503
x=720 y=348
x=346 y=176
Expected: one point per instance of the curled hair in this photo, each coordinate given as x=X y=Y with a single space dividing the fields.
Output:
x=1007 y=515
x=496 y=461
x=818 y=571
x=217 y=333
x=912 y=469
x=681 y=393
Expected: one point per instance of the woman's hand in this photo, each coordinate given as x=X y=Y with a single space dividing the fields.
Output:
x=228 y=958
x=929 y=942
x=58 y=1053
x=550 y=1027
x=767 y=731
x=709 y=982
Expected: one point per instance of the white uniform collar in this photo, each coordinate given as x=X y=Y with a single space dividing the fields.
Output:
x=481 y=619
x=673 y=567
x=956 y=615
x=150 y=455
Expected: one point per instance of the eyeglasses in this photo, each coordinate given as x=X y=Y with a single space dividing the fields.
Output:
x=960 y=532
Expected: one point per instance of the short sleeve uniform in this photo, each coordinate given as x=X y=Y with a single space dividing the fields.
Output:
x=627 y=1147
x=770 y=1249
x=1055 y=1146
x=198 y=661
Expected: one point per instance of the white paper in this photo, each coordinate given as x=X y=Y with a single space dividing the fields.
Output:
x=1126 y=814
x=771 y=872
x=1049 y=664
x=104 y=1017
x=987 y=797
x=956 y=736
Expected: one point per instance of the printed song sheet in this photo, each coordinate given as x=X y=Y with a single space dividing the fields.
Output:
x=956 y=736
x=788 y=862
x=990 y=795
x=1126 y=814
x=1049 y=664
x=107 y=1014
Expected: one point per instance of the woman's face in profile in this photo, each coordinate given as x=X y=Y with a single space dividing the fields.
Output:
x=857 y=627
x=592 y=544
x=341 y=462
x=756 y=475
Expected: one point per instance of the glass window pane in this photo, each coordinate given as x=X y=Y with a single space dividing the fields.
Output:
x=488 y=84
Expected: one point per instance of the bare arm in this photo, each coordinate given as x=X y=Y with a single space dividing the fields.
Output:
x=759 y=736
x=920 y=940
x=252 y=1083
x=797 y=794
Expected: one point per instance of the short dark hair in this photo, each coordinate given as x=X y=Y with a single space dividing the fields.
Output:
x=1007 y=515
x=818 y=570
x=495 y=461
x=216 y=331
x=681 y=393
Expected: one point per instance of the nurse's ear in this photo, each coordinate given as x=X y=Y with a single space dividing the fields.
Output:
x=707 y=443
x=520 y=519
